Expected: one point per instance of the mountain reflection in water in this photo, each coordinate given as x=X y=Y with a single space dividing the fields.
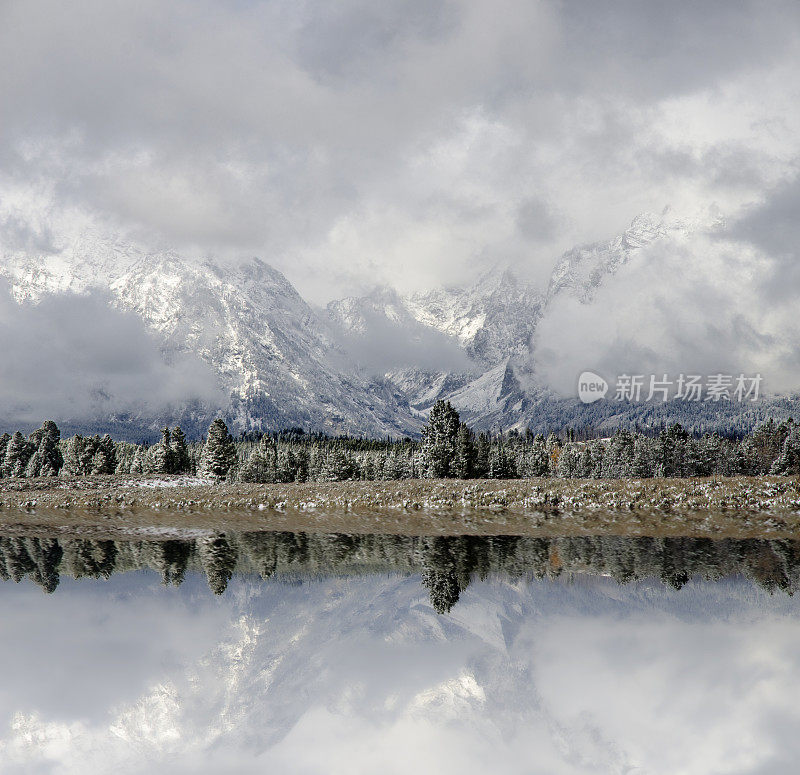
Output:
x=338 y=663
x=447 y=564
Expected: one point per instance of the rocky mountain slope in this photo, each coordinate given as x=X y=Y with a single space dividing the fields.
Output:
x=366 y=365
x=494 y=321
x=274 y=355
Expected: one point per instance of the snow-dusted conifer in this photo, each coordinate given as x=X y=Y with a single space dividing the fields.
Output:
x=465 y=455
x=180 y=451
x=219 y=452
x=4 y=439
x=568 y=465
x=18 y=453
x=536 y=461
x=788 y=462
x=438 y=448
x=261 y=465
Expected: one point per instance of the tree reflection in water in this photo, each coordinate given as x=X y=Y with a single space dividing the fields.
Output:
x=447 y=563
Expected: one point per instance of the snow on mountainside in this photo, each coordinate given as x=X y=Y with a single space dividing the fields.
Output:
x=423 y=388
x=284 y=364
x=490 y=320
x=265 y=341
x=494 y=321
x=495 y=391
x=495 y=318
x=273 y=353
x=356 y=314
x=583 y=269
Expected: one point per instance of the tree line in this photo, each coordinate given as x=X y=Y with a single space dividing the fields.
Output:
x=447 y=564
x=448 y=448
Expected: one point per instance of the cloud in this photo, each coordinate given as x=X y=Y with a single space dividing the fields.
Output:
x=385 y=347
x=409 y=143
x=701 y=303
x=418 y=144
x=772 y=224
x=75 y=357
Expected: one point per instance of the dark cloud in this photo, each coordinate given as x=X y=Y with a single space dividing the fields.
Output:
x=650 y=49
x=383 y=346
x=74 y=357
x=774 y=225
x=344 y=41
x=536 y=220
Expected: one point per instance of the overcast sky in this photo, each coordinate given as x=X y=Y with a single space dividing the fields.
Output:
x=411 y=142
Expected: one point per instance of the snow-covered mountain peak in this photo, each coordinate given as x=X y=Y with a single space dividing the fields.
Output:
x=582 y=270
x=358 y=314
x=645 y=229
x=275 y=356
x=284 y=363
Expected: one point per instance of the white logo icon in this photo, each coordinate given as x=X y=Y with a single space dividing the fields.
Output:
x=591 y=387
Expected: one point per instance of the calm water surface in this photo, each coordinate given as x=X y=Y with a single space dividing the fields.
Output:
x=367 y=654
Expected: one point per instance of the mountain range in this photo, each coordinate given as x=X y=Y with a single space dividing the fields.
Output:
x=370 y=365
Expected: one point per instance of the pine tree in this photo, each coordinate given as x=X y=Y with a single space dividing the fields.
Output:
x=672 y=450
x=261 y=549
x=157 y=460
x=137 y=464
x=180 y=449
x=103 y=455
x=443 y=589
x=219 y=451
x=301 y=460
x=170 y=559
x=4 y=439
x=261 y=466
x=161 y=457
x=466 y=453
x=501 y=466
x=90 y=558
x=438 y=448
x=568 y=465
x=788 y=462
x=764 y=446
x=47 y=460
x=536 y=461
x=286 y=466
x=73 y=456
x=17 y=560
x=644 y=458
x=618 y=458
x=46 y=554
x=18 y=453
x=337 y=466
x=482 y=448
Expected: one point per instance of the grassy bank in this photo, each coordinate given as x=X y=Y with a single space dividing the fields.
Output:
x=736 y=507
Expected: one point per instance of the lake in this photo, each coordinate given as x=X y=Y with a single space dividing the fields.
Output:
x=334 y=653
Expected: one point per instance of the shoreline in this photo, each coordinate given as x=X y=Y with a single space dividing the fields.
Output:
x=117 y=506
